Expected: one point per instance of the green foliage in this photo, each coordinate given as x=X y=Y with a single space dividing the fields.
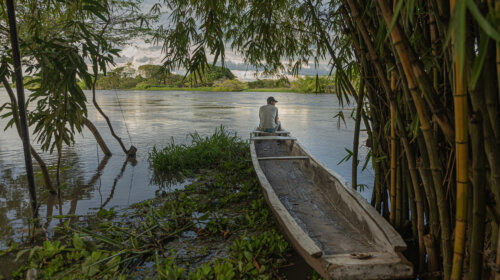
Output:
x=61 y=104
x=231 y=85
x=265 y=34
x=320 y=84
x=154 y=77
x=150 y=71
x=57 y=40
x=208 y=75
x=232 y=232
x=119 y=78
x=204 y=152
x=268 y=83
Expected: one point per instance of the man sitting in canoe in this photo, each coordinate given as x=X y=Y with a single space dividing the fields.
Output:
x=268 y=115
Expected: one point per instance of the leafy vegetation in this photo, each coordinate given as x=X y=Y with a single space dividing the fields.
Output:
x=57 y=40
x=218 y=227
x=215 y=78
x=204 y=152
x=427 y=77
x=314 y=84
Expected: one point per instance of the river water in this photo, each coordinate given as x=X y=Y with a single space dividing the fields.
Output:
x=156 y=118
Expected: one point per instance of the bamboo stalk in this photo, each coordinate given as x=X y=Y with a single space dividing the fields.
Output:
x=399 y=197
x=419 y=214
x=426 y=175
x=433 y=35
x=393 y=152
x=433 y=263
x=430 y=140
x=355 y=145
x=490 y=91
x=411 y=201
x=462 y=164
x=479 y=205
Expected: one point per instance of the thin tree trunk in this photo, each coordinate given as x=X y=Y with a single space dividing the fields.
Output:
x=97 y=136
x=132 y=150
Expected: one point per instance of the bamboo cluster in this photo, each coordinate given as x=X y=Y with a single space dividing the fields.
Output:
x=432 y=102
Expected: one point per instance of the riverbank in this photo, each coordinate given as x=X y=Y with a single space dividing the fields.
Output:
x=290 y=90
x=216 y=227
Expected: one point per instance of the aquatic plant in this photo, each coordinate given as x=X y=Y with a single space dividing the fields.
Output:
x=217 y=227
x=222 y=147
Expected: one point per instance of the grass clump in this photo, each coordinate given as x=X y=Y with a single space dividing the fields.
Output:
x=204 y=152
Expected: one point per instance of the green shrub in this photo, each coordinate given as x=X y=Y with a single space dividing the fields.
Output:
x=308 y=84
x=231 y=85
x=204 y=152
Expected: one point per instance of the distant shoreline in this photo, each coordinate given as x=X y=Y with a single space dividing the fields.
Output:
x=214 y=89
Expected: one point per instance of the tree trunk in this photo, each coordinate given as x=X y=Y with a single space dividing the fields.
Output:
x=97 y=136
x=132 y=150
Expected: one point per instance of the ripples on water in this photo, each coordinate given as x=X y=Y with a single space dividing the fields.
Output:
x=154 y=118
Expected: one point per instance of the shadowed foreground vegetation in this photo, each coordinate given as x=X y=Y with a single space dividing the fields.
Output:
x=216 y=227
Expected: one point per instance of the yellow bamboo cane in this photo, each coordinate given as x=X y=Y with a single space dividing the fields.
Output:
x=425 y=127
x=461 y=148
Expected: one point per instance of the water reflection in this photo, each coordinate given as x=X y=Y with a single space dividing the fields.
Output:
x=133 y=162
x=156 y=119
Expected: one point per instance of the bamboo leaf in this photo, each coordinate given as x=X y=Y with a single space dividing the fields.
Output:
x=460 y=28
x=482 y=21
x=394 y=18
x=478 y=62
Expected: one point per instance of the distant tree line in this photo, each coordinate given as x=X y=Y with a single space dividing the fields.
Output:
x=218 y=78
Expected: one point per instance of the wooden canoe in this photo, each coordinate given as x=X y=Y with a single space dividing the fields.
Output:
x=332 y=226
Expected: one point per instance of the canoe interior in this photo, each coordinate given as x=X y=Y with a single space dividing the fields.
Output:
x=311 y=196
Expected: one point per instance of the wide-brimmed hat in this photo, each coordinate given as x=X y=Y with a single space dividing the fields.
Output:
x=270 y=98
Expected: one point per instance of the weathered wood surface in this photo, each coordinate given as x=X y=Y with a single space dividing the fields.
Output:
x=284 y=158
x=262 y=133
x=325 y=220
x=272 y=138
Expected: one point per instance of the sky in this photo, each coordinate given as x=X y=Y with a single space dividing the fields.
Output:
x=139 y=52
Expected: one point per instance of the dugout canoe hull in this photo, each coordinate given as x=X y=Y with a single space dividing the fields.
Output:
x=330 y=225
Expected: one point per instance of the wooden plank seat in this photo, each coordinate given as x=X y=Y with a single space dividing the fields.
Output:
x=273 y=138
x=283 y=158
x=258 y=132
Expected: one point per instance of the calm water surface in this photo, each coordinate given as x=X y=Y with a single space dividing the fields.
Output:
x=156 y=118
